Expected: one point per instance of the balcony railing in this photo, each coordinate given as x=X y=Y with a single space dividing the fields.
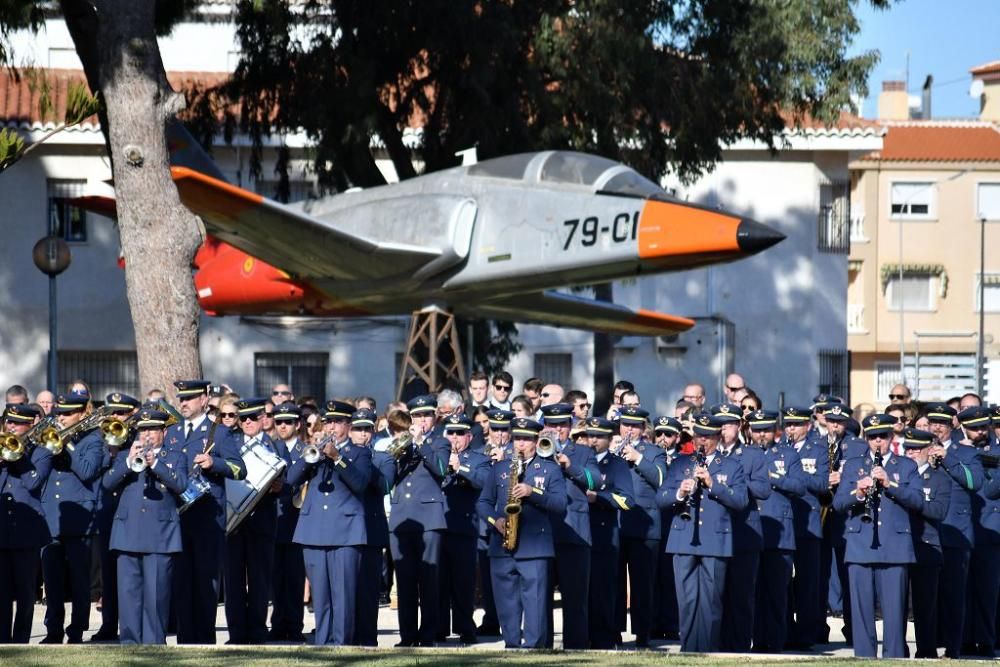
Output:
x=858 y=229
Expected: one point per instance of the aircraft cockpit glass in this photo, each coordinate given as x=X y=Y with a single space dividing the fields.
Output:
x=629 y=182
x=578 y=168
x=509 y=166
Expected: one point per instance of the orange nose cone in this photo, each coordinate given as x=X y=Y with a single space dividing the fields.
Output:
x=680 y=235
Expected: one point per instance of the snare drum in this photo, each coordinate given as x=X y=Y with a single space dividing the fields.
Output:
x=196 y=488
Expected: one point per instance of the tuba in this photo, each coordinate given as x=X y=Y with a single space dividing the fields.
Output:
x=513 y=507
x=11 y=447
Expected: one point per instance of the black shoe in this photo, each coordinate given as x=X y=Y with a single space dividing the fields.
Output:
x=52 y=639
x=441 y=639
x=468 y=639
x=276 y=636
x=673 y=635
x=488 y=630
x=104 y=636
x=296 y=637
x=407 y=644
x=74 y=640
x=427 y=644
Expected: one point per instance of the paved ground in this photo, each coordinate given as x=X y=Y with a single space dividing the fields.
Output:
x=388 y=633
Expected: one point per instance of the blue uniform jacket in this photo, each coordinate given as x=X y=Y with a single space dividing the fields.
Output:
x=888 y=539
x=986 y=502
x=748 y=536
x=581 y=476
x=146 y=520
x=539 y=510
x=383 y=477
x=263 y=519
x=614 y=496
x=709 y=532
x=333 y=513
x=815 y=459
x=417 y=502
x=461 y=490
x=226 y=464
x=23 y=526
x=926 y=523
x=642 y=521
x=965 y=470
x=784 y=473
x=69 y=497
x=288 y=514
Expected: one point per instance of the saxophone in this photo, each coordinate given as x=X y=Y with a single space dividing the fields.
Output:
x=513 y=507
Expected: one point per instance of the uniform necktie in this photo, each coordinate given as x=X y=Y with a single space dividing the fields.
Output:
x=190 y=428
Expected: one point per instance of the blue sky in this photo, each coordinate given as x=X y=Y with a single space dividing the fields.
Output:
x=944 y=38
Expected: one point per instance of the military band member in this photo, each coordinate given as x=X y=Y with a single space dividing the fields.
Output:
x=250 y=546
x=332 y=526
x=23 y=532
x=521 y=575
x=289 y=575
x=571 y=566
x=925 y=525
x=707 y=493
x=640 y=549
x=123 y=407
x=965 y=470
x=984 y=572
x=784 y=473
x=808 y=596
x=468 y=472
x=665 y=622
x=212 y=456
x=878 y=491
x=146 y=532
x=69 y=500
x=377 y=526
x=841 y=446
x=416 y=520
x=497 y=448
x=611 y=497
x=748 y=538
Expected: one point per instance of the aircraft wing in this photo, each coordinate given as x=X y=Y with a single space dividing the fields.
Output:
x=288 y=239
x=568 y=310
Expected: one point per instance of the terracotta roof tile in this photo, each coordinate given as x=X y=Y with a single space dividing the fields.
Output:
x=941 y=142
x=986 y=68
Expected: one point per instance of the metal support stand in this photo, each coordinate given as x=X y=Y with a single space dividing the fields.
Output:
x=432 y=352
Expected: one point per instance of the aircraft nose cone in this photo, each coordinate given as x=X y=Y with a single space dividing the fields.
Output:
x=753 y=237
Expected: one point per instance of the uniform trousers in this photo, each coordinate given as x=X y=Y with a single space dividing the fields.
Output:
x=416 y=555
x=739 y=601
x=458 y=585
x=287 y=585
x=951 y=600
x=770 y=623
x=144 y=582
x=982 y=593
x=197 y=573
x=638 y=559
x=18 y=571
x=665 y=620
x=249 y=566
x=367 y=602
x=700 y=581
x=57 y=555
x=924 y=593
x=571 y=573
x=887 y=582
x=521 y=587
x=490 y=621
x=601 y=610
x=109 y=583
x=808 y=600
x=333 y=574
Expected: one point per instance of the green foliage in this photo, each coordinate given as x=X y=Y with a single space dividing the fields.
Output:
x=494 y=343
x=11 y=148
x=80 y=104
x=17 y=15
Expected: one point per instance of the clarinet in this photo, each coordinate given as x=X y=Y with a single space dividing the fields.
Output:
x=689 y=501
x=872 y=494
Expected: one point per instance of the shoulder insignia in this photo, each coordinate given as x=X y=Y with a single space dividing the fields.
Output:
x=203 y=428
x=538 y=465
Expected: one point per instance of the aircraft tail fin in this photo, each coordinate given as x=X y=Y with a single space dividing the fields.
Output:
x=569 y=310
x=185 y=151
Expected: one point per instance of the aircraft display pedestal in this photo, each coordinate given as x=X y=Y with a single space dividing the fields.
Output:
x=432 y=351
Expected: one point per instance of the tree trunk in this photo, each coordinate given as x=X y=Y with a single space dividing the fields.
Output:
x=604 y=358
x=159 y=236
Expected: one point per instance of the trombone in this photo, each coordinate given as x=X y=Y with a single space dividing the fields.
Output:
x=12 y=447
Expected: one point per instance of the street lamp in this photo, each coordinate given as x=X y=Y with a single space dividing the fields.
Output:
x=52 y=257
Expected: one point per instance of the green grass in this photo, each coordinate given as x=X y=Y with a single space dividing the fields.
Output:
x=110 y=656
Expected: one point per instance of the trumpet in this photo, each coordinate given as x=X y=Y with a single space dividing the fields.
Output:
x=56 y=440
x=547 y=444
x=620 y=446
x=398 y=448
x=11 y=447
x=115 y=431
x=138 y=462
